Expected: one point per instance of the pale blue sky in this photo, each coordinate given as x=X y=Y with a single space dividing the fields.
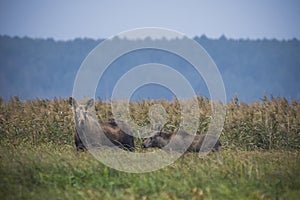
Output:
x=69 y=19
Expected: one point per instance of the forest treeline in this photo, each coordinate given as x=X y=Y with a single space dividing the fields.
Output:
x=45 y=68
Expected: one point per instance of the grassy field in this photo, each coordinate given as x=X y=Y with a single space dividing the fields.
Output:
x=260 y=157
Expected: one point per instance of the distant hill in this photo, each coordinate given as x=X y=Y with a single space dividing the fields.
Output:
x=45 y=68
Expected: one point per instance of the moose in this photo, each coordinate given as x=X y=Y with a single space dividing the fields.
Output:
x=88 y=129
x=161 y=139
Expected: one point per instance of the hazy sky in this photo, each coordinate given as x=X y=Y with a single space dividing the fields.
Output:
x=68 y=19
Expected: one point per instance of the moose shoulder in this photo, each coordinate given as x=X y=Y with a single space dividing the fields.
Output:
x=88 y=129
x=197 y=142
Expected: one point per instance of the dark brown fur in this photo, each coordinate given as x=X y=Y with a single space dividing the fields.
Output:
x=84 y=119
x=161 y=139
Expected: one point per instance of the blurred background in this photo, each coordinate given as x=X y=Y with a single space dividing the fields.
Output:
x=255 y=44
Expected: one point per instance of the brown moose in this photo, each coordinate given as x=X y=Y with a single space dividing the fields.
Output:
x=181 y=140
x=88 y=129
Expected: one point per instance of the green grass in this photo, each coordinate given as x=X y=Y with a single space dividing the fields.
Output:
x=59 y=172
x=260 y=157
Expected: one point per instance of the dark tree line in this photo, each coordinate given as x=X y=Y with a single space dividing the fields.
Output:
x=46 y=68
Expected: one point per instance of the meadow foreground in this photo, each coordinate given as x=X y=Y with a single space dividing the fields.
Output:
x=59 y=172
x=260 y=157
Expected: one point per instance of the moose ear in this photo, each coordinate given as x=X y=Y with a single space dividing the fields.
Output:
x=160 y=133
x=72 y=102
x=89 y=104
